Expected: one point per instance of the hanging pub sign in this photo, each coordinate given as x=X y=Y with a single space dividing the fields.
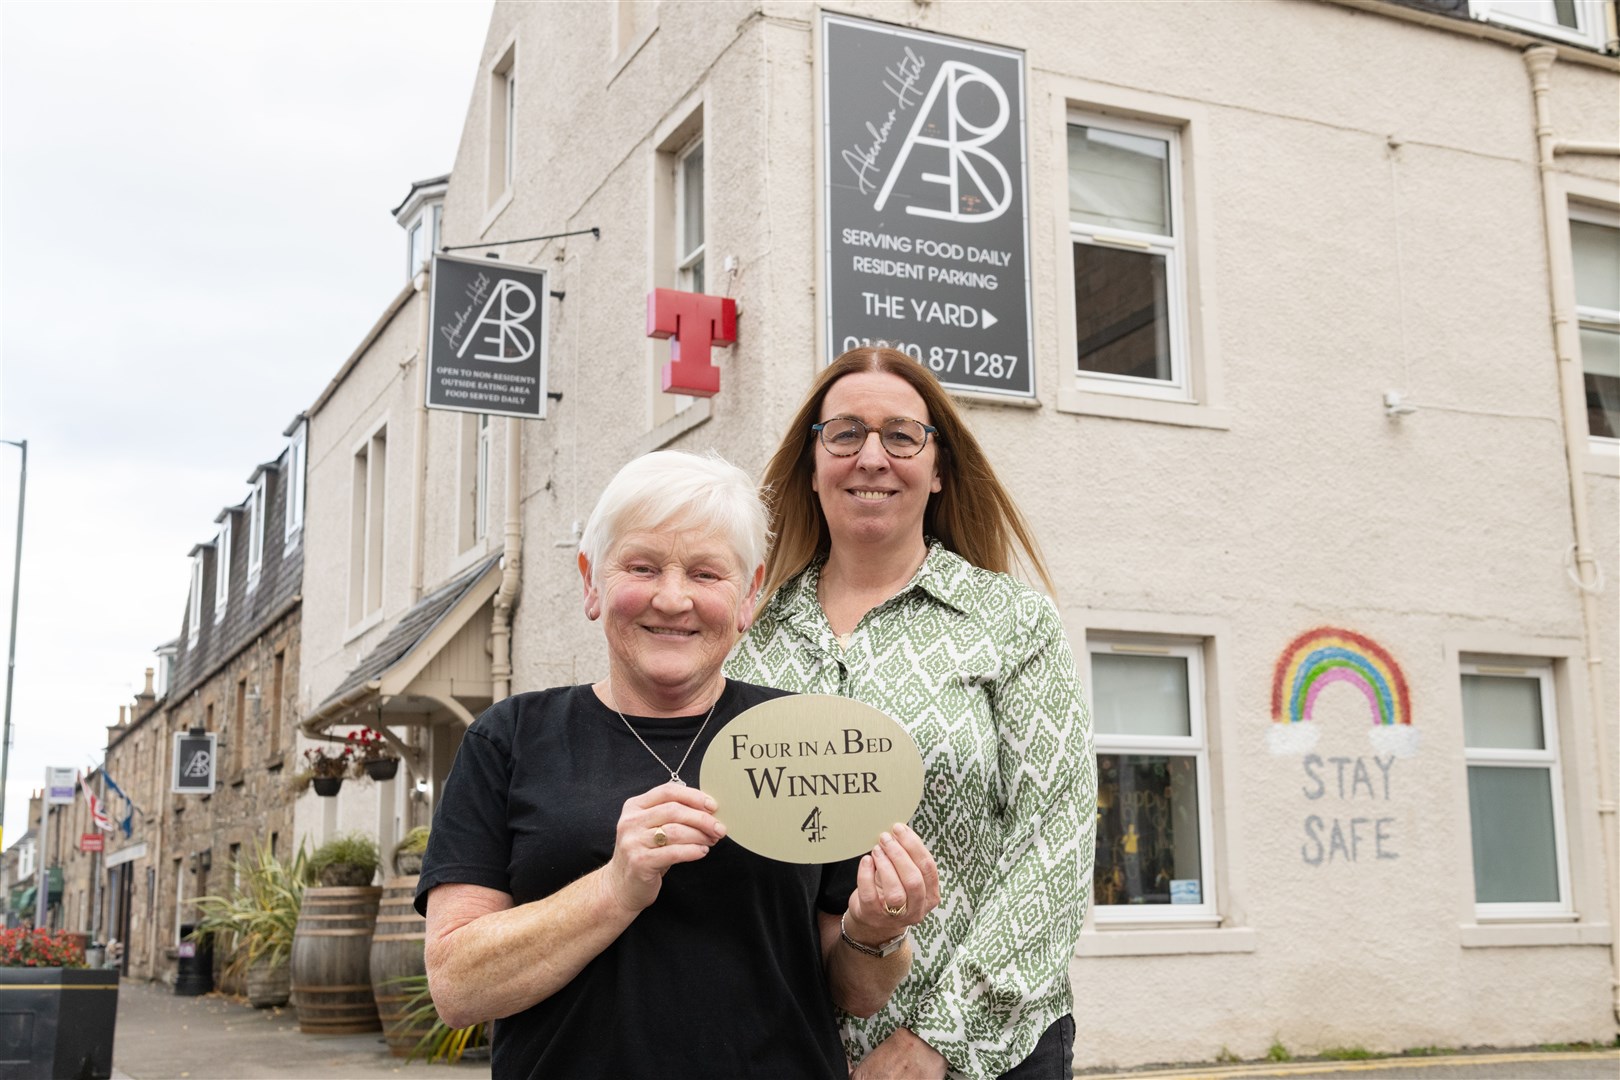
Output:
x=193 y=763
x=487 y=348
x=927 y=207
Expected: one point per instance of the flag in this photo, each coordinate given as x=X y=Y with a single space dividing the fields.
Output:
x=127 y=822
x=98 y=816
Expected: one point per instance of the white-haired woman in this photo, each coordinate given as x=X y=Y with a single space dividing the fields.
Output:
x=579 y=891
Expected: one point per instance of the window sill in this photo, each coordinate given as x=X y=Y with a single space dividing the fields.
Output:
x=1168 y=941
x=273 y=764
x=1522 y=935
x=1603 y=458
x=1150 y=410
x=475 y=553
x=688 y=418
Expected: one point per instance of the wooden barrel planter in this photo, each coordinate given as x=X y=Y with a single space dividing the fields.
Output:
x=396 y=952
x=331 y=960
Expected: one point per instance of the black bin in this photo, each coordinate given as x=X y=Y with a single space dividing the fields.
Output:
x=195 y=975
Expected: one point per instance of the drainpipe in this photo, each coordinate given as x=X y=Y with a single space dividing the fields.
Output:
x=1572 y=392
x=419 y=450
x=500 y=633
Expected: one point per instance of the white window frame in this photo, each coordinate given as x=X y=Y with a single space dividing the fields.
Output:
x=293 y=483
x=194 y=604
x=501 y=165
x=687 y=254
x=1546 y=758
x=1595 y=318
x=256 y=505
x=1543 y=20
x=222 y=568
x=1194 y=745
x=1179 y=386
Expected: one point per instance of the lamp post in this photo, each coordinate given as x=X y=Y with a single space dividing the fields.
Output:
x=11 y=647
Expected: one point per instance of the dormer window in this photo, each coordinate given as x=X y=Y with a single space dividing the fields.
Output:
x=222 y=567
x=255 y=527
x=419 y=215
x=194 y=601
x=292 y=483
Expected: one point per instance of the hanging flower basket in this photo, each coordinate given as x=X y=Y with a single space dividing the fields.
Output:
x=327 y=786
x=372 y=757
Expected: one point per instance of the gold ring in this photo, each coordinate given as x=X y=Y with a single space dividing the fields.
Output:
x=895 y=912
x=660 y=837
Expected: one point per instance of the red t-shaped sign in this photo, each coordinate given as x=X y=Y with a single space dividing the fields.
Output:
x=696 y=321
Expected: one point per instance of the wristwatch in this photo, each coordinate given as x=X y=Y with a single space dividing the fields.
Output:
x=887 y=948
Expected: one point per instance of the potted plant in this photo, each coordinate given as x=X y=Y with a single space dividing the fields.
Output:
x=67 y=1009
x=409 y=851
x=324 y=769
x=372 y=756
x=255 y=923
x=331 y=954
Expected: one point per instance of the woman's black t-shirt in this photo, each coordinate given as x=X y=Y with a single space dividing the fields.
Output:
x=720 y=977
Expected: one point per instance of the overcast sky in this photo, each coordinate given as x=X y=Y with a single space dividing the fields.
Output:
x=194 y=234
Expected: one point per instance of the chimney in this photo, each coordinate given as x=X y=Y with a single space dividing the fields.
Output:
x=148 y=691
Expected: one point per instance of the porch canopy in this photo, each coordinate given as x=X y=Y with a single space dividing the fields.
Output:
x=434 y=661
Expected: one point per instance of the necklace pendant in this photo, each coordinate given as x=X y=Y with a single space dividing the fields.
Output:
x=676 y=777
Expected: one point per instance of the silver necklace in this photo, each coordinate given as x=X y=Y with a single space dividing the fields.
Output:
x=675 y=773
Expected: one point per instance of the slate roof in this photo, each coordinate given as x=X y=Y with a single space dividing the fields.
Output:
x=248 y=613
x=415 y=625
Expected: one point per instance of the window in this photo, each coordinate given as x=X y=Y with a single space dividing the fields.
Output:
x=1129 y=279
x=689 y=219
x=1576 y=21
x=679 y=240
x=239 y=735
x=1515 y=799
x=294 y=483
x=502 y=127
x=1153 y=831
x=222 y=567
x=370 y=476
x=1594 y=238
x=278 y=675
x=193 y=604
x=255 y=532
x=422 y=239
x=473 y=516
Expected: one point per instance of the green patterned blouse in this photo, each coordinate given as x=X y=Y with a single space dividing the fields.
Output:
x=976 y=666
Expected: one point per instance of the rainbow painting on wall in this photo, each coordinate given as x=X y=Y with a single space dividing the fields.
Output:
x=1319 y=658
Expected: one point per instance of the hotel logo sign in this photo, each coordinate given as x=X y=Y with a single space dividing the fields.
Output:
x=926 y=202
x=487 y=349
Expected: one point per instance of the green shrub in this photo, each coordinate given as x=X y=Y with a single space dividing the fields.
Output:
x=345 y=860
x=258 y=918
x=1278 y=1052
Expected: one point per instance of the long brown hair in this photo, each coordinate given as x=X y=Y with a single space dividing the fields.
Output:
x=971 y=514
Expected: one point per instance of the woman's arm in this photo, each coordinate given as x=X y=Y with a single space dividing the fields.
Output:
x=899 y=874
x=488 y=959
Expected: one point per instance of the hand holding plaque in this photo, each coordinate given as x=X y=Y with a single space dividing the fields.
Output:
x=812 y=778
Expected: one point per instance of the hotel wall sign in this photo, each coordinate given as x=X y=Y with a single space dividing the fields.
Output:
x=927 y=202
x=487 y=349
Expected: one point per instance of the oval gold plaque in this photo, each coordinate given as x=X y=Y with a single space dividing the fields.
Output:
x=812 y=778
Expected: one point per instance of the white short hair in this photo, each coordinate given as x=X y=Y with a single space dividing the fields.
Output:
x=673 y=489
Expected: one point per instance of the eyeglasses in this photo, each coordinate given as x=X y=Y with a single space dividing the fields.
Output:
x=843 y=436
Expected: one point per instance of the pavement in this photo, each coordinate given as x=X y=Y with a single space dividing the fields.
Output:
x=214 y=1037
